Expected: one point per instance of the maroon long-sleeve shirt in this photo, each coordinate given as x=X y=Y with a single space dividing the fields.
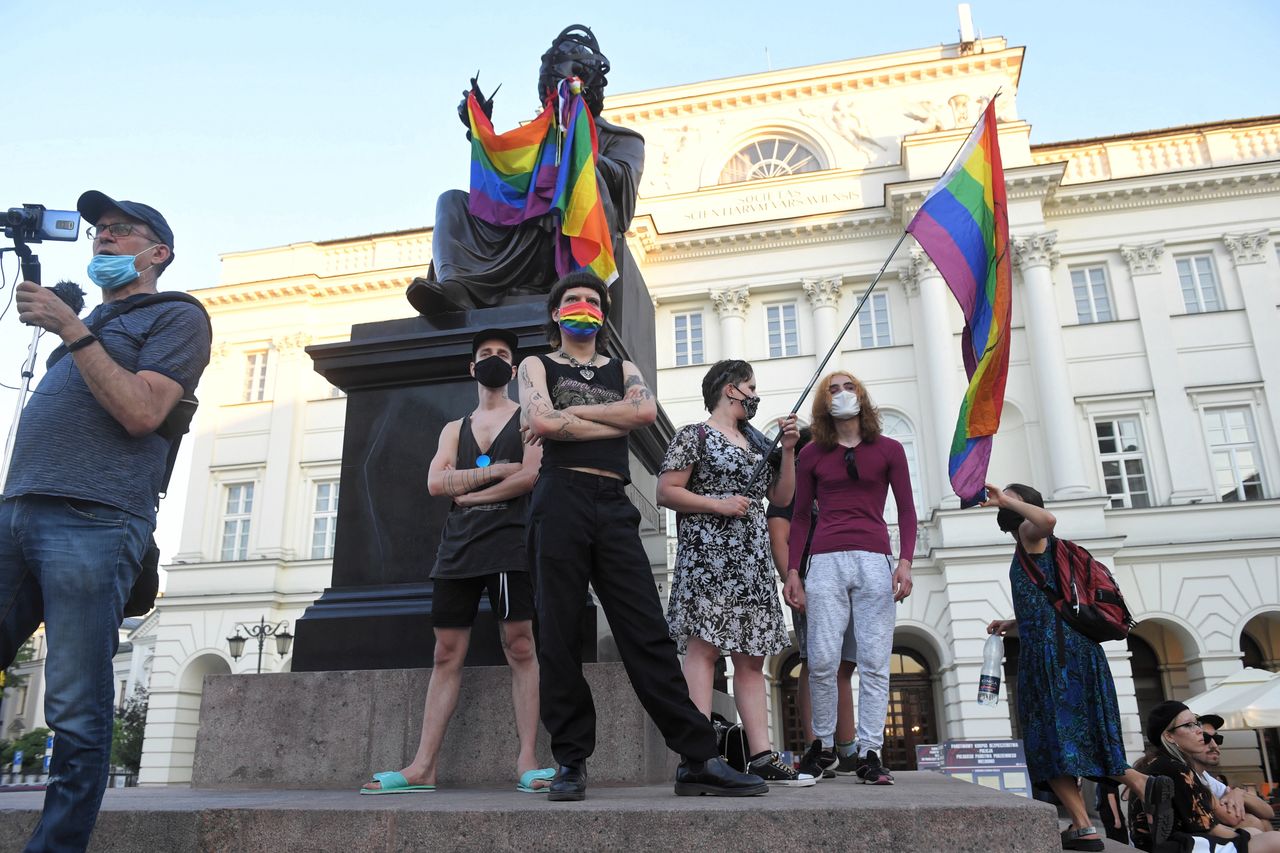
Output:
x=851 y=514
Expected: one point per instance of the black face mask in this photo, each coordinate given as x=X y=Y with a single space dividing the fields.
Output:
x=493 y=372
x=1008 y=520
x=749 y=404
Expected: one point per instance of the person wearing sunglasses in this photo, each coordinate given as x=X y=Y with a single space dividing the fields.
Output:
x=853 y=582
x=79 y=509
x=1177 y=744
x=1236 y=806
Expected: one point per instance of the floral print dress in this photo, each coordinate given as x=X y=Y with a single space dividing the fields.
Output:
x=1067 y=705
x=724 y=590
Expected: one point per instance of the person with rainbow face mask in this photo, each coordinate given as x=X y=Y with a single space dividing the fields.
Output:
x=583 y=529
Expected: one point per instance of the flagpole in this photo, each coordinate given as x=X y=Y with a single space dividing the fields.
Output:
x=813 y=380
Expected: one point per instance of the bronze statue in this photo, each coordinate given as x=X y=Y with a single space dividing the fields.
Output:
x=476 y=264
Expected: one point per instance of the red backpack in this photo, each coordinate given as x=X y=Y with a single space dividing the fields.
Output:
x=1088 y=597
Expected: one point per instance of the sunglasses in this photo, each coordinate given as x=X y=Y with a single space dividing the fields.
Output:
x=851 y=464
x=1208 y=738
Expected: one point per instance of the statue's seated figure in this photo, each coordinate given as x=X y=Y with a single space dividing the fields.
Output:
x=476 y=264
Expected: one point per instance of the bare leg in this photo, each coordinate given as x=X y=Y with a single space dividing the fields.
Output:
x=1067 y=791
x=517 y=645
x=846 y=725
x=805 y=706
x=442 y=699
x=699 y=673
x=748 y=695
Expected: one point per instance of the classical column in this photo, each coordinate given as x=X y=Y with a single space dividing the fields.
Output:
x=732 y=305
x=1260 y=286
x=1189 y=474
x=275 y=502
x=1035 y=256
x=824 y=297
x=936 y=346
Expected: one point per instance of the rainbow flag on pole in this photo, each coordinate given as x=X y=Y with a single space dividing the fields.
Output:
x=548 y=166
x=963 y=226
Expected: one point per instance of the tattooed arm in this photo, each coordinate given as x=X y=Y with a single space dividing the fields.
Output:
x=544 y=420
x=442 y=479
x=636 y=409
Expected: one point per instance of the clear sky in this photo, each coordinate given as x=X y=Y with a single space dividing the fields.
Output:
x=254 y=124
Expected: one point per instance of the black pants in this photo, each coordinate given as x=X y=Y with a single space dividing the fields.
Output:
x=584 y=528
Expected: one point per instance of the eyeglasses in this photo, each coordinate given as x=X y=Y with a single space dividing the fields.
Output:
x=1194 y=724
x=117 y=229
x=851 y=464
x=1208 y=738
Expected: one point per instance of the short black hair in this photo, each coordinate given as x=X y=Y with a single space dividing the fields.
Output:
x=578 y=278
x=730 y=371
x=1027 y=493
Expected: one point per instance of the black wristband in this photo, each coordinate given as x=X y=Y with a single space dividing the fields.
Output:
x=81 y=343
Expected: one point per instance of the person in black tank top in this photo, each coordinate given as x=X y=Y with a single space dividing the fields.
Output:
x=583 y=529
x=484 y=466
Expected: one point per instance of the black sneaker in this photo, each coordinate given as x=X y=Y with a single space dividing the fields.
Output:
x=817 y=762
x=767 y=766
x=847 y=765
x=871 y=772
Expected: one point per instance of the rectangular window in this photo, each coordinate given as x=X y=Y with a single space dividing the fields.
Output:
x=1199 y=282
x=688 y=328
x=1233 y=448
x=255 y=376
x=873 y=322
x=235 y=521
x=1093 y=303
x=324 y=520
x=1124 y=461
x=784 y=338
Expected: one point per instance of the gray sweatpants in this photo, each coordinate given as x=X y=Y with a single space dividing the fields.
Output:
x=850 y=589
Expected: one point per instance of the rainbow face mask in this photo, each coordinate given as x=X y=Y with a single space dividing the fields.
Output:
x=581 y=319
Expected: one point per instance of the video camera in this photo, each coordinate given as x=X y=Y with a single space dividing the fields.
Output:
x=33 y=223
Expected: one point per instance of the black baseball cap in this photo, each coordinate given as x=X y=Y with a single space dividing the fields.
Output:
x=507 y=336
x=93 y=204
x=1212 y=720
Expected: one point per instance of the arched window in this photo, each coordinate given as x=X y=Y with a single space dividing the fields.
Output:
x=772 y=156
x=1148 y=685
x=911 y=719
x=899 y=428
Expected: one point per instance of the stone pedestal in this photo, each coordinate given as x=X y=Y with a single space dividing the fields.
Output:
x=335 y=729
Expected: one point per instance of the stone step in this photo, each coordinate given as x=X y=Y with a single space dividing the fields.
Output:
x=923 y=812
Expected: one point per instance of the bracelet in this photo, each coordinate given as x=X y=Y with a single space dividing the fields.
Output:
x=81 y=343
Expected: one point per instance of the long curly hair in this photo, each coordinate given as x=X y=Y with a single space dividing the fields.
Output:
x=576 y=44
x=824 y=426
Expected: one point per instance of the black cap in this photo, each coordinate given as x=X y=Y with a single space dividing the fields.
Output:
x=1160 y=718
x=93 y=204
x=507 y=336
x=1212 y=720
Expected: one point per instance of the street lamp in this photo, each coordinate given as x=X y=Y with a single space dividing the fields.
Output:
x=260 y=632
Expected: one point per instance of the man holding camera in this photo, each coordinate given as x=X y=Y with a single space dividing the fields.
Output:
x=80 y=497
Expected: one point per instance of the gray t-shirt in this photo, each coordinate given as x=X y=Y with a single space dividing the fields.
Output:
x=67 y=443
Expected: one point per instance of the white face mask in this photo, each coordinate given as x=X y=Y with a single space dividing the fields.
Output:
x=845 y=405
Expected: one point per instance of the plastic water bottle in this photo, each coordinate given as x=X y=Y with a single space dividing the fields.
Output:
x=989 y=681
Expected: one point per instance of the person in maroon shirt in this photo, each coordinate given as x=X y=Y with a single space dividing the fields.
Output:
x=852 y=583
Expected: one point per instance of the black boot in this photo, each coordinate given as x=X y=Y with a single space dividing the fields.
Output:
x=570 y=784
x=715 y=777
x=431 y=297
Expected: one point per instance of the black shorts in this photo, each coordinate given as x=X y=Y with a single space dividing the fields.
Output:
x=455 y=601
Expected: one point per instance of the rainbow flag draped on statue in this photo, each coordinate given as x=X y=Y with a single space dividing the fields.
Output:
x=548 y=166
x=963 y=226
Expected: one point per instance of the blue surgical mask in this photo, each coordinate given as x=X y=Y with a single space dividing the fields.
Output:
x=112 y=271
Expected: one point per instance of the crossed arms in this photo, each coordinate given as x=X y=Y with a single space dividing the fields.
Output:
x=472 y=486
x=637 y=408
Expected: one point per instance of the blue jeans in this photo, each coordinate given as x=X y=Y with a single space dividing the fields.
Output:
x=70 y=563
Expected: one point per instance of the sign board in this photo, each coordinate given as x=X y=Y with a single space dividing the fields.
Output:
x=17 y=761
x=998 y=764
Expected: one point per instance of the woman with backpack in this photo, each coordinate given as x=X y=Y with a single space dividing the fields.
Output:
x=724 y=596
x=1067 y=709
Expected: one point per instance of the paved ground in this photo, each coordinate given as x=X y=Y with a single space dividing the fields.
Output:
x=925 y=811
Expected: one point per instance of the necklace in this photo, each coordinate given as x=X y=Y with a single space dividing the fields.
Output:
x=583 y=369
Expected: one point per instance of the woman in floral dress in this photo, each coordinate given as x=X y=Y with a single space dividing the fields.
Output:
x=724 y=595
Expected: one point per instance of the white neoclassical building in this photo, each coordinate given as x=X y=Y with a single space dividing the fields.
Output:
x=1143 y=398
